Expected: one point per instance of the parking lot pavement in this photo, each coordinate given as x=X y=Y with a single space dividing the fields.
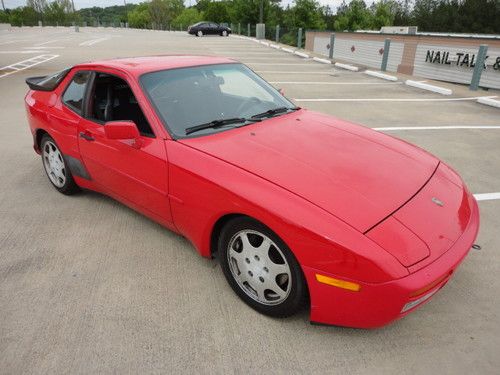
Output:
x=89 y=286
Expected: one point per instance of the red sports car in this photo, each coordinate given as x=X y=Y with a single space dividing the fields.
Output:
x=299 y=207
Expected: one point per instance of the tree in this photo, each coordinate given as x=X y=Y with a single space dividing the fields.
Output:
x=58 y=12
x=217 y=11
x=38 y=6
x=188 y=17
x=383 y=14
x=23 y=16
x=305 y=14
x=139 y=17
x=354 y=17
x=162 y=12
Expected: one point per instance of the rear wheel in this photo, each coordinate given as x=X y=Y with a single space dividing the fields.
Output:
x=199 y=33
x=261 y=269
x=56 y=168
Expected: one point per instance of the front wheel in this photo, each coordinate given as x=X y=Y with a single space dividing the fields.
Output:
x=56 y=168
x=261 y=269
x=224 y=33
x=199 y=33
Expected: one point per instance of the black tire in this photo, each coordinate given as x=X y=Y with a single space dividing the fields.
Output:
x=297 y=293
x=199 y=33
x=68 y=187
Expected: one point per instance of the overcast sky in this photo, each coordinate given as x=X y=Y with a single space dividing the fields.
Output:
x=103 y=3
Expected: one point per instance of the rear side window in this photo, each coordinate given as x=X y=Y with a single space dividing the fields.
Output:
x=74 y=93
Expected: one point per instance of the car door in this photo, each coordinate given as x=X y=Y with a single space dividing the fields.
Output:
x=137 y=175
x=214 y=28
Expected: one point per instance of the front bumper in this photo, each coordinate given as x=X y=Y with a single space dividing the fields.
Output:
x=376 y=305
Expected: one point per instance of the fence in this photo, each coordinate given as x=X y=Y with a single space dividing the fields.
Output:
x=447 y=58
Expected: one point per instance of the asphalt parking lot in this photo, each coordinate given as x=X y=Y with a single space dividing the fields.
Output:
x=89 y=286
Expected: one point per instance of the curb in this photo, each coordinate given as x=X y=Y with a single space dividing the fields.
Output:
x=301 y=54
x=320 y=60
x=489 y=101
x=381 y=75
x=352 y=68
x=426 y=86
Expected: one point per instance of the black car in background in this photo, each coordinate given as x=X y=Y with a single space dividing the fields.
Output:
x=208 y=28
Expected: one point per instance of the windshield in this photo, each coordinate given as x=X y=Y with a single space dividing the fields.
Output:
x=187 y=97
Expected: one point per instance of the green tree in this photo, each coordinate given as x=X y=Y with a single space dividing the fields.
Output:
x=354 y=16
x=139 y=17
x=217 y=11
x=305 y=14
x=4 y=16
x=188 y=17
x=383 y=14
x=23 y=16
x=58 y=12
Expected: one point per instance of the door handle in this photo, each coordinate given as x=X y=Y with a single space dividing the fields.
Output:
x=86 y=136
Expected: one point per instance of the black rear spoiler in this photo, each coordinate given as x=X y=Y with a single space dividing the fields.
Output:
x=32 y=82
x=47 y=83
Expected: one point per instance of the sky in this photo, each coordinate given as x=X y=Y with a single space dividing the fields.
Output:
x=104 y=3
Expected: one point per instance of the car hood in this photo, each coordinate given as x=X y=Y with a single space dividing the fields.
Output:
x=356 y=174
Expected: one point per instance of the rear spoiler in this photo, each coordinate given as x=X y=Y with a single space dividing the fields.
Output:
x=32 y=82
x=47 y=83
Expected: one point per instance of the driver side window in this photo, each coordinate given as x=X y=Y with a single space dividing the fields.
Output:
x=112 y=100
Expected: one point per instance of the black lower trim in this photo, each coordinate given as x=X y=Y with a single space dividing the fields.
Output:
x=76 y=167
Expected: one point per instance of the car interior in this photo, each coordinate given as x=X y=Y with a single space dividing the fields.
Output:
x=113 y=100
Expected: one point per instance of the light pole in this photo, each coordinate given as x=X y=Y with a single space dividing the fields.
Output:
x=3 y=6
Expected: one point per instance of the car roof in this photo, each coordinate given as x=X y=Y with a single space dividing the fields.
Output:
x=145 y=64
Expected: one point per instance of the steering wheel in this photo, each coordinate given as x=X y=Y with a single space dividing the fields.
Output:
x=250 y=103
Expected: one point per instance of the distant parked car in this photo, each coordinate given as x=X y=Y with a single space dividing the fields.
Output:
x=208 y=28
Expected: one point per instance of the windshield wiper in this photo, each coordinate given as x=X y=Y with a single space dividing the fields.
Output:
x=274 y=111
x=218 y=123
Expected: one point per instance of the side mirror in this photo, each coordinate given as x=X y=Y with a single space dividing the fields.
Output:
x=125 y=130
x=121 y=130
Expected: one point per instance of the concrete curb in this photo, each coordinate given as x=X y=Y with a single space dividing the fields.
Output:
x=320 y=60
x=381 y=75
x=352 y=68
x=426 y=86
x=489 y=101
x=301 y=54
x=289 y=50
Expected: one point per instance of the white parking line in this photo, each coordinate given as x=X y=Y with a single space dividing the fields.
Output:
x=487 y=196
x=18 y=52
x=334 y=83
x=47 y=42
x=25 y=64
x=395 y=128
x=392 y=99
x=91 y=42
x=44 y=47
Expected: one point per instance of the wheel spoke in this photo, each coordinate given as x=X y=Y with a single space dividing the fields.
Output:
x=239 y=257
x=278 y=269
x=247 y=246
